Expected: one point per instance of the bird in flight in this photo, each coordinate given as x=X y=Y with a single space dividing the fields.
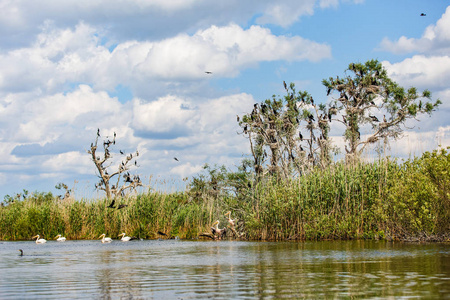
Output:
x=208 y=72
x=176 y=159
x=423 y=15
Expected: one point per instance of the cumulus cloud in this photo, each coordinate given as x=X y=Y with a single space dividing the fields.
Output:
x=157 y=19
x=49 y=135
x=426 y=72
x=435 y=40
x=61 y=56
x=187 y=169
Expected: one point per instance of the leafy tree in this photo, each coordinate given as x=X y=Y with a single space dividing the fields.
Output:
x=368 y=96
x=278 y=145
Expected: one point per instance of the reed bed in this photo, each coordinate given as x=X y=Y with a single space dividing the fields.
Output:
x=386 y=199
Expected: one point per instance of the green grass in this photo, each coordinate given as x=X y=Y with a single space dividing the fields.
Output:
x=378 y=200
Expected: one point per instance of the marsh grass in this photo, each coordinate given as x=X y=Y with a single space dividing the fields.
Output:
x=380 y=200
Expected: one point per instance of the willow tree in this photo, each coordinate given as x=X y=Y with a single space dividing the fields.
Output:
x=366 y=95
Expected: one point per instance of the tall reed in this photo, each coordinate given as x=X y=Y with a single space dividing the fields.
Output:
x=383 y=199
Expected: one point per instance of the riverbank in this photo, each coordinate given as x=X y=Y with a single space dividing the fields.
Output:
x=386 y=199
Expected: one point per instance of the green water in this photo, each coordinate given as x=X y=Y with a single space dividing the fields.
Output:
x=168 y=269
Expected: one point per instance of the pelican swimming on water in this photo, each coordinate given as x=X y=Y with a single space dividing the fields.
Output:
x=60 y=238
x=38 y=240
x=105 y=239
x=124 y=238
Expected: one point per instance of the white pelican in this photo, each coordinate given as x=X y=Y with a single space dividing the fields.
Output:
x=60 y=238
x=230 y=221
x=105 y=239
x=124 y=238
x=38 y=240
x=217 y=231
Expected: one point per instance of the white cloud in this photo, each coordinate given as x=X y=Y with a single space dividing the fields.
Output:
x=33 y=118
x=286 y=12
x=123 y=20
x=421 y=71
x=328 y=3
x=62 y=56
x=167 y=117
x=186 y=169
x=435 y=40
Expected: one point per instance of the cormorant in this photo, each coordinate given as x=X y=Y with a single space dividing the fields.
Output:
x=112 y=204
x=375 y=119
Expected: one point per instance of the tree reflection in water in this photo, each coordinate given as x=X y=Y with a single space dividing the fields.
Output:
x=224 y=270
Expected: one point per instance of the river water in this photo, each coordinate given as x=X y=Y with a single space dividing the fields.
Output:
x=175 y=269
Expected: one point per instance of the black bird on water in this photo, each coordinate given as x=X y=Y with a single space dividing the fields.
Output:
x=112 y=204
x=21 y=252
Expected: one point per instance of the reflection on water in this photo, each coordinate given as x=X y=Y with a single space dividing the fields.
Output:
x=222 y=270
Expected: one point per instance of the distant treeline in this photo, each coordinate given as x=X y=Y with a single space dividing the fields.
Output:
x=385 y=199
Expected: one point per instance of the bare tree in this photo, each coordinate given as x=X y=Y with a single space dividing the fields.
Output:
x=102 y=163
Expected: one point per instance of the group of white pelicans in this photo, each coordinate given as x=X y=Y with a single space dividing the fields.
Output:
x=216 y=233
x=105 y=239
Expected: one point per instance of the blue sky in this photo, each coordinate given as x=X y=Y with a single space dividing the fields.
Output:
x=137 y=68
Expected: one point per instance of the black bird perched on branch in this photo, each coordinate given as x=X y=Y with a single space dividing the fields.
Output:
x=112 y=204
x=98 y=131
x=375 y=119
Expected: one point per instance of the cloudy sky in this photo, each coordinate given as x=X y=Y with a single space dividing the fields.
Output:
x=138 y=67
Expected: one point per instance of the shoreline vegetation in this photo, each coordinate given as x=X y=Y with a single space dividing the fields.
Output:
x=386 y=200
x=289 y=188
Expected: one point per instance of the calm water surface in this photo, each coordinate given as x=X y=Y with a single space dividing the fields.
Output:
x=171 y=269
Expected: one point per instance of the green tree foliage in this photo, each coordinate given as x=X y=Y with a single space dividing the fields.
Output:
x=366 y=95
x=279 y=144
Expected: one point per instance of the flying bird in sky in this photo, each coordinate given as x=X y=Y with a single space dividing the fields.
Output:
x=423 y=14
x=176 y=159
x=208 y=72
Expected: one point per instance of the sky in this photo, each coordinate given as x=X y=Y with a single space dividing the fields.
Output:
x=137 y=68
